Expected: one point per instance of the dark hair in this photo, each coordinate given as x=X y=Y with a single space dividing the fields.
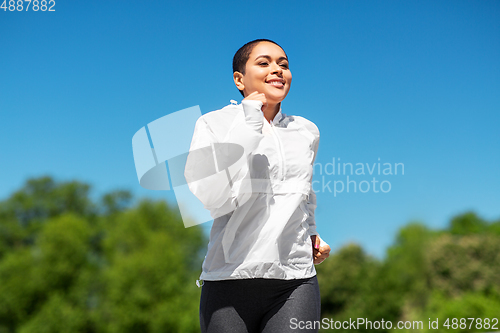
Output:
x=241 y=56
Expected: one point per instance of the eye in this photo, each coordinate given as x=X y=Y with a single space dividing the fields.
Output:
x=263 y=63
x=284 y=65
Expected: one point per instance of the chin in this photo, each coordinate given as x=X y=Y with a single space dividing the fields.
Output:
x=272 y=96
x=276 y=99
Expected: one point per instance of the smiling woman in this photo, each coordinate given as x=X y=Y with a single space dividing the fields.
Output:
x=266 y=71
x=264 y=234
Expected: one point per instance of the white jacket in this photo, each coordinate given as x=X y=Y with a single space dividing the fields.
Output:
x=255 y=178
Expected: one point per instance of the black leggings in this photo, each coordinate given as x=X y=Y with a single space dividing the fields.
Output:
x=259 y=305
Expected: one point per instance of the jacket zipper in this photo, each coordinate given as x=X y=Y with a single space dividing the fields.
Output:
x=280 y=153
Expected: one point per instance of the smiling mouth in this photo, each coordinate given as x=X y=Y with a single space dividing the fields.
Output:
x=276 y=83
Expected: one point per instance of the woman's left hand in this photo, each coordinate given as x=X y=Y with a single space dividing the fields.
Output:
x=321 y=251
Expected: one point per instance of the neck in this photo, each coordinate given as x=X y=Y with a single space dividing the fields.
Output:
x=270 y=111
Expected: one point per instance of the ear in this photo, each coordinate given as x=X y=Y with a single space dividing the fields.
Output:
x=238 y=80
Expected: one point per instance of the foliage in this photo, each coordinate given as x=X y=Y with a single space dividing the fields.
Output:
x=68 y=264
x=427 y=274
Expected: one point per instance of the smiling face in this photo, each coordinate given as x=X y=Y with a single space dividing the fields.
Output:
x=266 y=72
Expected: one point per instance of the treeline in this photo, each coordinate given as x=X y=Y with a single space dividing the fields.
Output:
x=426 y=275
x=72 y=264
x=68 y=264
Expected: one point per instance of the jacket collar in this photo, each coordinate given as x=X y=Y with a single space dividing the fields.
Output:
x=278 y=117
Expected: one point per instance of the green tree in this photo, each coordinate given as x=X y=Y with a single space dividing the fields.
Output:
x=460 y=264
x=407 y=268
x=341 y=277
x=426 y=274
x=344 y=279
x=150 y=280
x=467 y=224
x=68 y=264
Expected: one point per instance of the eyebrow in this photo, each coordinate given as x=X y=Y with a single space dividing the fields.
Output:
x=269 y=58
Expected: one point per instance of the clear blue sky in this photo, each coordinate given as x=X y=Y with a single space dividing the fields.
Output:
x=413 y=82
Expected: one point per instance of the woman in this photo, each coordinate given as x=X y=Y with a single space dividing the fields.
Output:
x=258 y=274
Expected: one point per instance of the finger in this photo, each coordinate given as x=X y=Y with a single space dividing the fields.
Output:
x=253 y=95
x=313 y=244
x=258 y=95
x=316 y=245
x=320 y=259
x=325 y=249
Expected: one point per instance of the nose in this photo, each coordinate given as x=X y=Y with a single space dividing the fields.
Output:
x=275 y=68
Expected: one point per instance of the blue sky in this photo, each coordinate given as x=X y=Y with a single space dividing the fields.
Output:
x=414 y=82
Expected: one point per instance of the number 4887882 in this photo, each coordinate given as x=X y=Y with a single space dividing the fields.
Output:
x=36 y=5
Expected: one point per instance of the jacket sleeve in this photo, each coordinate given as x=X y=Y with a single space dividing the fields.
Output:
x=211 y=172
x=311 y=198
x=311 y=207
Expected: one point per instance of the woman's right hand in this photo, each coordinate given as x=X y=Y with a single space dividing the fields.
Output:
x=320 y=251
x=257 y=96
